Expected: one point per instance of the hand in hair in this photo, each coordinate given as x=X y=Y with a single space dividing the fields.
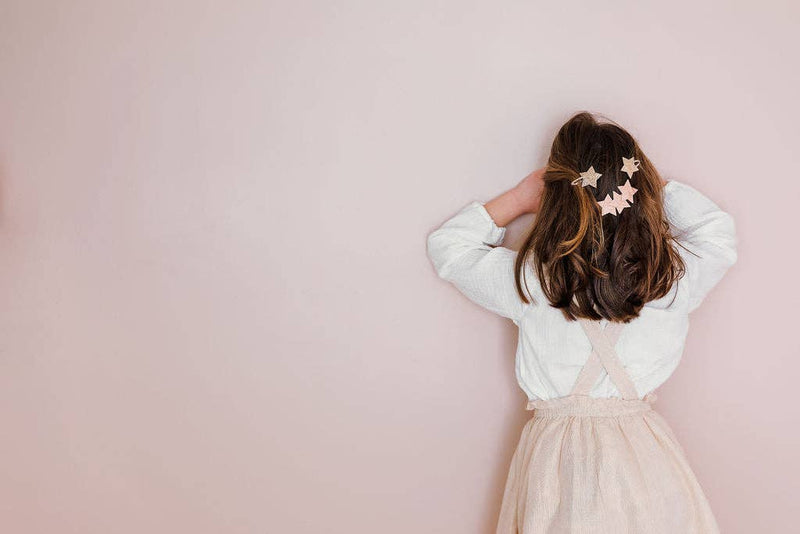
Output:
x=530 y=190
x=522 y=198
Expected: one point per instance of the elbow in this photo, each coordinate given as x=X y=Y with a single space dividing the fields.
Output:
x=723 y=243
x=718 y=242
x=728 y=257
x=731 y=241
x=441 y=254
x=435 y=252
x=721 y=234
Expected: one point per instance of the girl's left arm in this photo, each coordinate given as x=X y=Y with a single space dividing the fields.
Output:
x=465 y=250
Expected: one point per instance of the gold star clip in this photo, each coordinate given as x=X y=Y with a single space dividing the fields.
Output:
x=627 y=191
x=607 y=206
x=630 y=166
x=619 y=203
x=587 y=178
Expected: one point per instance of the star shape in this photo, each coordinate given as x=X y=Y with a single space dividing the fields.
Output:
x=590 y=177
x=607 y=206
x=627 y=191
x=630 y=166
x=619 y=202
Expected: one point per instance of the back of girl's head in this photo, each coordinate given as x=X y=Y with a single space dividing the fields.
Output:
x=589 y=264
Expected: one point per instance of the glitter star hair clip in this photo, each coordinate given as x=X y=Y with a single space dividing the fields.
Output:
x=587 y=178
x=617 y=201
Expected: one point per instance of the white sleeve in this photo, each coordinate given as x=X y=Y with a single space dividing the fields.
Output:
x=464 y=251
x=702 y=227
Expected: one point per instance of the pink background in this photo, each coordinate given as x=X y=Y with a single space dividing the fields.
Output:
x=217 y=314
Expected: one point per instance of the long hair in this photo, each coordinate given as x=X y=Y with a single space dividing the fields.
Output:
x=592 y=265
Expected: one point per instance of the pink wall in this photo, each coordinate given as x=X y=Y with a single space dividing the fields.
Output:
x=217 y=314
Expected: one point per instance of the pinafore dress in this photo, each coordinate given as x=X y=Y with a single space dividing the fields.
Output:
x=601 y=465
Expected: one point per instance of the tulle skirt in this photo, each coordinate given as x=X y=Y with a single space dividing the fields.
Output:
x=589 y=465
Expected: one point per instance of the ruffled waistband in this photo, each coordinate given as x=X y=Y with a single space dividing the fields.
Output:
x=584 y=405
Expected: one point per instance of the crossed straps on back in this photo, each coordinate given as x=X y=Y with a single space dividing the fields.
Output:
x=603 y=356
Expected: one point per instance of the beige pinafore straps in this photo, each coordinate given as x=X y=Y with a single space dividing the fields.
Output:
x=603 y=356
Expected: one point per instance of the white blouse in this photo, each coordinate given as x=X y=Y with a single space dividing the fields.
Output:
x=465 y=251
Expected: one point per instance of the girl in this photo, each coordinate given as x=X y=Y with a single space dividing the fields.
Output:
x=601 y=290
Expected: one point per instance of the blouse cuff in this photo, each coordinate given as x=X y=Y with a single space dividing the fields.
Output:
x=491 y=234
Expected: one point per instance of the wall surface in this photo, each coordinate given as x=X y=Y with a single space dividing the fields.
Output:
x=217 y=314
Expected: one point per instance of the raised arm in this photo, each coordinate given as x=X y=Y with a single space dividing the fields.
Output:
x=465 y=249
x=707 y=231
x=521 y=199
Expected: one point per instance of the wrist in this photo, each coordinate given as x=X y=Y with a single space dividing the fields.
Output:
x=520 y=200
x=504 y=208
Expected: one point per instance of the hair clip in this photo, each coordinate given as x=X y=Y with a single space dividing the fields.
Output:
x=630 y=166
x=587 y=178
x=618 y=201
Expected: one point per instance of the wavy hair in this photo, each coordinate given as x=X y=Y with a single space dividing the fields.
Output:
x=590 y=265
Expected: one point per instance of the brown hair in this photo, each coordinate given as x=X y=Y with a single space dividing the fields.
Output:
x=592 y=265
